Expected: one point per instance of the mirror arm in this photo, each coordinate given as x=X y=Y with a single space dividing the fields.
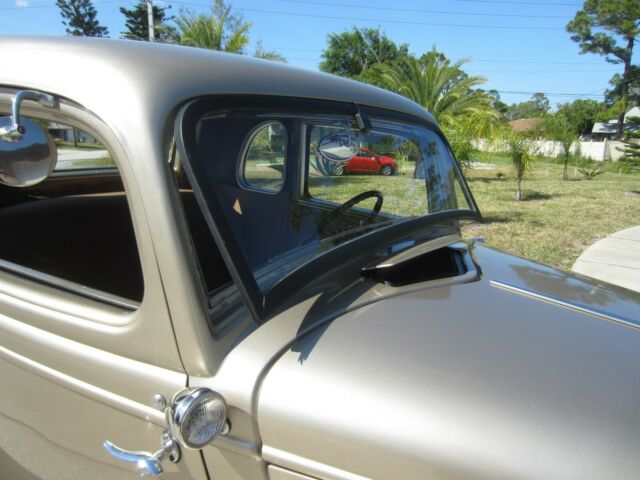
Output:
x=362 y=119
x=16 y=129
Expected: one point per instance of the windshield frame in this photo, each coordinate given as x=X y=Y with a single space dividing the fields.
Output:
x=262 y=305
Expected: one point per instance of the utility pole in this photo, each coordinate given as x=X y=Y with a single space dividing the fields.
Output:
x=152 y=35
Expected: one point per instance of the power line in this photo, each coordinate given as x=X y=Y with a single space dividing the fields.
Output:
x=549 y=94
x=470 y=61
x=376 y=20
x=475 y=71
x=415 y=10
x=507 y=2
x=401 y=22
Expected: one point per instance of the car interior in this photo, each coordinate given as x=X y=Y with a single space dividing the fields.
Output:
x=76 y=226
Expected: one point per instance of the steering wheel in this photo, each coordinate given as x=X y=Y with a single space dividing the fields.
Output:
x=342 y=209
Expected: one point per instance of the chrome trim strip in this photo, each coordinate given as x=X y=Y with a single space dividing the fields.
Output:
x=69 y=286
x=635 y=324
x=86 y=389
x=306 y=466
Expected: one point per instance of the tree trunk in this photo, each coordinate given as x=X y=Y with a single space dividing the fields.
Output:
x=625 y=86
x=518 y=189
x=565 y=174
x=75 y=137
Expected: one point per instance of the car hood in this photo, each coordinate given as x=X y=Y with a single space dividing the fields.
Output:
x=503 y=377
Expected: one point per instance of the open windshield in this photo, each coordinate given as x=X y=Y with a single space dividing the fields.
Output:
x=290 y=188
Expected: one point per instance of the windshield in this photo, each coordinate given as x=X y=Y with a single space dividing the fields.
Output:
x=292 y=187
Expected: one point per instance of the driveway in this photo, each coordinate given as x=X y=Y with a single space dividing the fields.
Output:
x=614 y=259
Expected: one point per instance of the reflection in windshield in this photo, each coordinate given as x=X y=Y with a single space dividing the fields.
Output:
x=335 y=183
x=411 y=166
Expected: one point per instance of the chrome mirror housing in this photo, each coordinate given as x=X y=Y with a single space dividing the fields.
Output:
x=28 y=158
x=196 y=417
x=27 y=152
x=338 y=147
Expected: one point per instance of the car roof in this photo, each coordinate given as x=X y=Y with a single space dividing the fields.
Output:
x=105 y=74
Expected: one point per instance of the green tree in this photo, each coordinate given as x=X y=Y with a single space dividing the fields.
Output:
x=137 y=22
x=80 y=18
x=537 y=107
x=558 y=128
x=221 y=30
x=521 y=150
x=615 y=93
x=496 y=101
x=439 y=86
x=609 y=28
x=261 y=52
x=447 y=92
x=582 y=114
x=631 y=149
x=351 y=53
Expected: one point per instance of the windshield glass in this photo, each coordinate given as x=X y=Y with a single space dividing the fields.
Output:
x=292 y=187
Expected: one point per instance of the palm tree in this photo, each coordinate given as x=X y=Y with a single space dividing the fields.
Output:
x=447 y=92
x=438 y=85
x=558 y=129
x=260 y=52
x=521 y=151
x=221 y=30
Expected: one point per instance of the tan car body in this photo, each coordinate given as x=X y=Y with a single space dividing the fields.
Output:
x=514 y=370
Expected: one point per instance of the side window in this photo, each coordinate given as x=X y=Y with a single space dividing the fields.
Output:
x=74 y=230
x=263 y=166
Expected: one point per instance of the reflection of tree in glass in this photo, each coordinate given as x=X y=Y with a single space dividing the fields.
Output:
x=560 y=284
x=408 y=150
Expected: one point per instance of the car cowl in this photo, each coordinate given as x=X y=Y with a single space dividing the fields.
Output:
x=515 y=375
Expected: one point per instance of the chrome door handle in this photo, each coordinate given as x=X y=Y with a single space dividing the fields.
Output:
x=147 y=463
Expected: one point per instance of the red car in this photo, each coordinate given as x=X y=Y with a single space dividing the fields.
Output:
x=367 y=161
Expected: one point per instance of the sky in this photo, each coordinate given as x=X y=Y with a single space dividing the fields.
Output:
x=519 y=46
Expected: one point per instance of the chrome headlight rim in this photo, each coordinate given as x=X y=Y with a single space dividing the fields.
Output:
x=184 y=402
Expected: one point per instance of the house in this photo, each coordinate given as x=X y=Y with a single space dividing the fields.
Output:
x=527 y=126
x=64 y=132
x=607 y=130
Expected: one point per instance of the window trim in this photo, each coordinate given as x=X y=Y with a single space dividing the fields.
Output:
x=262 y=305
x=242 y=160
x=60 y=284
x=69 y=286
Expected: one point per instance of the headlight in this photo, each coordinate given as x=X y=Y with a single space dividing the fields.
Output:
x=196 y=417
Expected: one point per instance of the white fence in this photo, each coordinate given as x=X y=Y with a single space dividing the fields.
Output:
x=600 y=151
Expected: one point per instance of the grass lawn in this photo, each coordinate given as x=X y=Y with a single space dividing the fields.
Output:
x=558 y=219
x=553 y=225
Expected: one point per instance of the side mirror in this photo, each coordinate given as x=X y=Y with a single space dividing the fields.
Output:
x=27 y=159
x=338 y=147
x=27 y=152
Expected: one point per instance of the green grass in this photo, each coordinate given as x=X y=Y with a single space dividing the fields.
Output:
x=81 y=146
x=553 y=225
x=555 y=222
x=558 y=219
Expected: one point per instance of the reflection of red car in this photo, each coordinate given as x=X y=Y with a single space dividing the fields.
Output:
x=367 y=161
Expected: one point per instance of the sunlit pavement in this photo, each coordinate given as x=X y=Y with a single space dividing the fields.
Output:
x=70 y=155
x=614 y=259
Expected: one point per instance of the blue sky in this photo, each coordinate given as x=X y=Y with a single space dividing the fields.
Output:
x=517 y=45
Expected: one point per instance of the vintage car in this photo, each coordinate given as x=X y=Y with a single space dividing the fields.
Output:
x=205 y=301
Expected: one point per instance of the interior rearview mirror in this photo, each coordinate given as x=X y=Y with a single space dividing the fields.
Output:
x=28 y=156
